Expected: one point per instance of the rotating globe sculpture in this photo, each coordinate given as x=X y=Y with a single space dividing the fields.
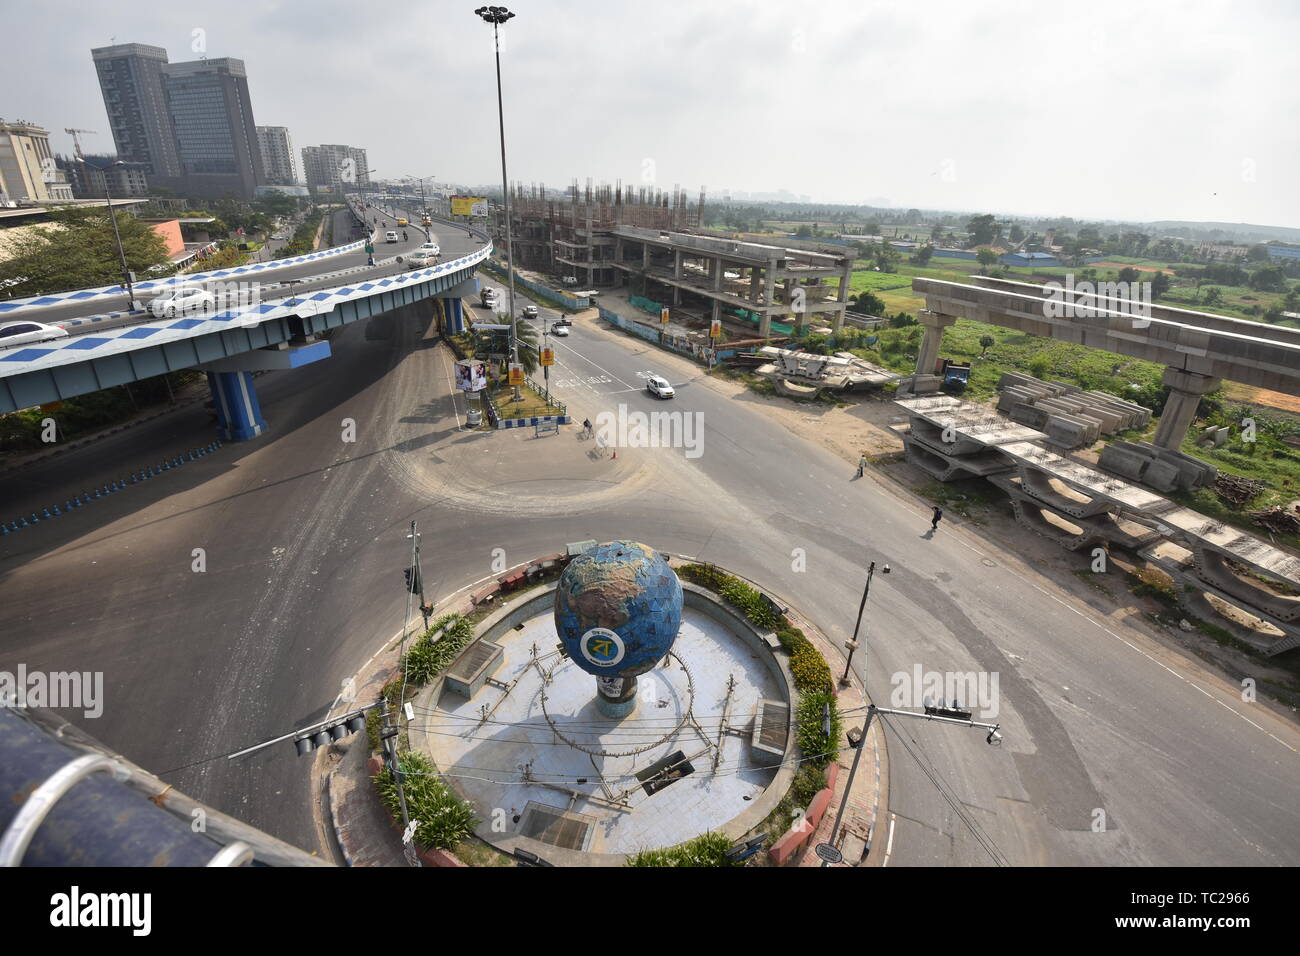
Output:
x=617 y=611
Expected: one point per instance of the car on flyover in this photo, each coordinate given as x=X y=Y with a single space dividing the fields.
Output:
x=390 y=236
x=420 y=259
x=181 y=300
x=658 y=386
x=24 y=333
x=430 y=249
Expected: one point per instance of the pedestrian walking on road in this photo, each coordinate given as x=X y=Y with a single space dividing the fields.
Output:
x=935 y=518
x=586 y=426
x=862 y=464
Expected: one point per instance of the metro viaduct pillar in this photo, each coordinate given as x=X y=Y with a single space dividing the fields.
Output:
x=1185 y=391
x=924 y=380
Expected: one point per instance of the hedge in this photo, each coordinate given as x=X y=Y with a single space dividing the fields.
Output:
x=444 y=818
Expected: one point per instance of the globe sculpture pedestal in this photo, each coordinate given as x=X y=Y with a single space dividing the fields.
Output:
x=618 y=608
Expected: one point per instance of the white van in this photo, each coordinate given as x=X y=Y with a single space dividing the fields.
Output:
x=390 y=236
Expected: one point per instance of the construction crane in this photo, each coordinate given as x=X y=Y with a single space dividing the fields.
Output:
x=76 y=140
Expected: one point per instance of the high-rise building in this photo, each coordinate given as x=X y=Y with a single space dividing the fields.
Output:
x=28 y=170
x=189 y=125
x=216 y=137
x=277 y=155
x=335 y=166
x=131 y=80
x=87 y=177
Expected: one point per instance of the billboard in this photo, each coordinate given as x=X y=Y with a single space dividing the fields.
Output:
x=471 y=375
x=469 y=206
x=516 y=375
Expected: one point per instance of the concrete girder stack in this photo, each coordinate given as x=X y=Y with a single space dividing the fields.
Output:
x=1070 y=417
x=1162 y=468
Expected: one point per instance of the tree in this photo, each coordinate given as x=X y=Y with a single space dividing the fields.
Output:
x=1160 y=283
x=986 y=342
x=1128 y=274
x=80 y=255
x=1213 y=296
x=1268 y=279
x=986 y=257
x=868 y=303
x=982 y=229
x=804 y=232
x=922 y=256
x=1017 y=233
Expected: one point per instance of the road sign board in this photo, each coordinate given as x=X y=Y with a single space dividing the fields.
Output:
x=516 y=375
x=663 y=315
x=547 y=357
x=828 y=853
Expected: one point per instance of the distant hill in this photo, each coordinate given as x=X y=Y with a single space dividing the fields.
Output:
x=1240 y=231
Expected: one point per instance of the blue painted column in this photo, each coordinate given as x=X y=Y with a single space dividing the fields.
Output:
x=239 y=416
x=453 y=314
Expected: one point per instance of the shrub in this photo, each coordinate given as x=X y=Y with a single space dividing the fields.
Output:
x=809 y=669
x=445 y=819
x=1039 y=366
x=808 y=782
x=708 y=849
x=428 y=657
x=817 y=748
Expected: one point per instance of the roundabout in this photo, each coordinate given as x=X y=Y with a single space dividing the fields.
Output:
x=693 y=734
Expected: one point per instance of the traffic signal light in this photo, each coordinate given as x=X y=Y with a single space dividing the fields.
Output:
x=325 y=734
x=413 y=582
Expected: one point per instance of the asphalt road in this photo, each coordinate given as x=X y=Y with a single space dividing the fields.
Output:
x=304 y=541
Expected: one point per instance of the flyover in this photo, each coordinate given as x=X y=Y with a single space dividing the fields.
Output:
x=325 y=291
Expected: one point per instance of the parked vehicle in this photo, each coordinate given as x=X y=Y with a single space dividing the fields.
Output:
x=23 y=333
x=659 y=387
x=181 y=300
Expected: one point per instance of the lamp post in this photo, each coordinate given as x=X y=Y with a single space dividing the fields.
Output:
x=497 y=16
x=121 y=253
x=853 y=644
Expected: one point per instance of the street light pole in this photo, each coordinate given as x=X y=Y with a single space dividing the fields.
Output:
x=853 y=644
x=497 y=16
x=121 y=253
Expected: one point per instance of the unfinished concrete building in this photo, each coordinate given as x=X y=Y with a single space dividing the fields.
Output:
x=652 y=244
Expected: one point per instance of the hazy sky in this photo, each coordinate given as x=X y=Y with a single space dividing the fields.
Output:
x=1137 y=109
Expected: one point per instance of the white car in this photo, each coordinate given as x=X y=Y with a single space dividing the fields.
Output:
x=658 y=387
x=431 y=249
x=530 y=312
x=419 y=259
x=560 y=330
x=181 y=300
x=21 y=333
x=390 y=236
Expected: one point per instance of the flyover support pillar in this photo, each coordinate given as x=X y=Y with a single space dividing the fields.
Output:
x=239 y=415
x=1185 y=391
x=924 y=380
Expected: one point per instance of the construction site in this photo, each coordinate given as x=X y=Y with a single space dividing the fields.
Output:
x=651 y=245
